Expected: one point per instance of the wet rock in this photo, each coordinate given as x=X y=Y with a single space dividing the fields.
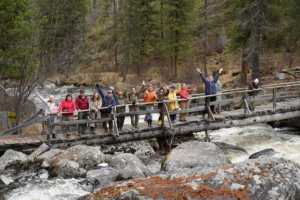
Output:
x=133 y=194
x=87 y=157
x=40 y=150
x=43 y=174
x=154 y=166
x=267 y=178
x=49 y=155
x=263 y=153
x=194 y=154
x=227 y=147
x=10 y=157
x=67 y=169
x=129 y=166
x=103 y=176
x=142 y=149
x=5 y=181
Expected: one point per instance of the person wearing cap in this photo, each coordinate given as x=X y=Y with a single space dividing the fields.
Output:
x=82 y=106
x=133 y=98
x=108 y=103
x=172 y=102
x=210 y=88
x=253 y=86
x=162 y=96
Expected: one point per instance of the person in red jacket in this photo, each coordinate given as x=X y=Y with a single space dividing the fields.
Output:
x=82 y=105
x=184 y=95
x=67 y=109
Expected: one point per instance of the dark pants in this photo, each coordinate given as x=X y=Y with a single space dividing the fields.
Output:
x=82 y=116
x=121 y=119
x=134 y=118
x=173 y=117
x=161 y=113
x=148 y=116
x=104 y=115
x=208 y=102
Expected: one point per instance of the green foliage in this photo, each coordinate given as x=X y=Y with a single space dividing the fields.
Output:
x=248 y=16
x=62 y=28
x=16 y=38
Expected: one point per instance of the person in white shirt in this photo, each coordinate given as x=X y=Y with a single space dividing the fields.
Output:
x=52 y=108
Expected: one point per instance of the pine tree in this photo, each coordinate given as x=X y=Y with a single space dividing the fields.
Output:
x=253 y=22
x=62 y=32
x=18 y=50
x=139 y=32
x=178 y=29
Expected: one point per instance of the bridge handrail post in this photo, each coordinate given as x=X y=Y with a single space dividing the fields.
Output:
x=168 y=114
x=115 y=122
x=246 y=104
x=50 y=131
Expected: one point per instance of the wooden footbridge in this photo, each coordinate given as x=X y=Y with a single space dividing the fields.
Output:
x=272 y=103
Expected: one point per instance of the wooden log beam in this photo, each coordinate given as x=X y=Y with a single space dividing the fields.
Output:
x=184 y=129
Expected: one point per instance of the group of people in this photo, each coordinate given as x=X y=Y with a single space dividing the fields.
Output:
x=170 y=99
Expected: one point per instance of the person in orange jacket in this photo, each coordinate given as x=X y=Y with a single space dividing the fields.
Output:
x=150 y=97
x=184 y=95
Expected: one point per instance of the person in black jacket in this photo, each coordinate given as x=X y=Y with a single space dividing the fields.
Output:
x=254 y=87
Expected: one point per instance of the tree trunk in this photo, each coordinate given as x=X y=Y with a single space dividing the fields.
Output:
x=115 y=36
x=244 y=69
x=161 y=19
x=205 y=37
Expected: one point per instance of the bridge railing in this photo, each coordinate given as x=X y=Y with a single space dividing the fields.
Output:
x=230 y=99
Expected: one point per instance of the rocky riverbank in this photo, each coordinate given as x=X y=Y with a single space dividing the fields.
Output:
x=135 y=171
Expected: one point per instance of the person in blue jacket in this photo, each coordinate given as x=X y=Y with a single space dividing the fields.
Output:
x=109 y=101
x=210 y=88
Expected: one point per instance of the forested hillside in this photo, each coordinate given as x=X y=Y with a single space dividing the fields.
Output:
x=168 y=38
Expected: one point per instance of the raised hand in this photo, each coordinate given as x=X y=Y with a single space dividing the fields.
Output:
x=199 y=70
x=220 y=71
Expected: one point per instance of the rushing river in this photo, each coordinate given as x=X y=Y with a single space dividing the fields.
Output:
x=58 y=189
x=285 y=141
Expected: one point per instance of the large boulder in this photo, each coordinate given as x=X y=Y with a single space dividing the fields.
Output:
x=142 y=149
x=129 y=166
x=67 y=169
x=260 y=179
x=49 y=155
x=10 y=157
x=87 y=157
x=194 y=154
x=40 y=150
x=103 y=176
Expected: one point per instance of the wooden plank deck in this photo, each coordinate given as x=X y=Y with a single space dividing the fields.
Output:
x=263 y=113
